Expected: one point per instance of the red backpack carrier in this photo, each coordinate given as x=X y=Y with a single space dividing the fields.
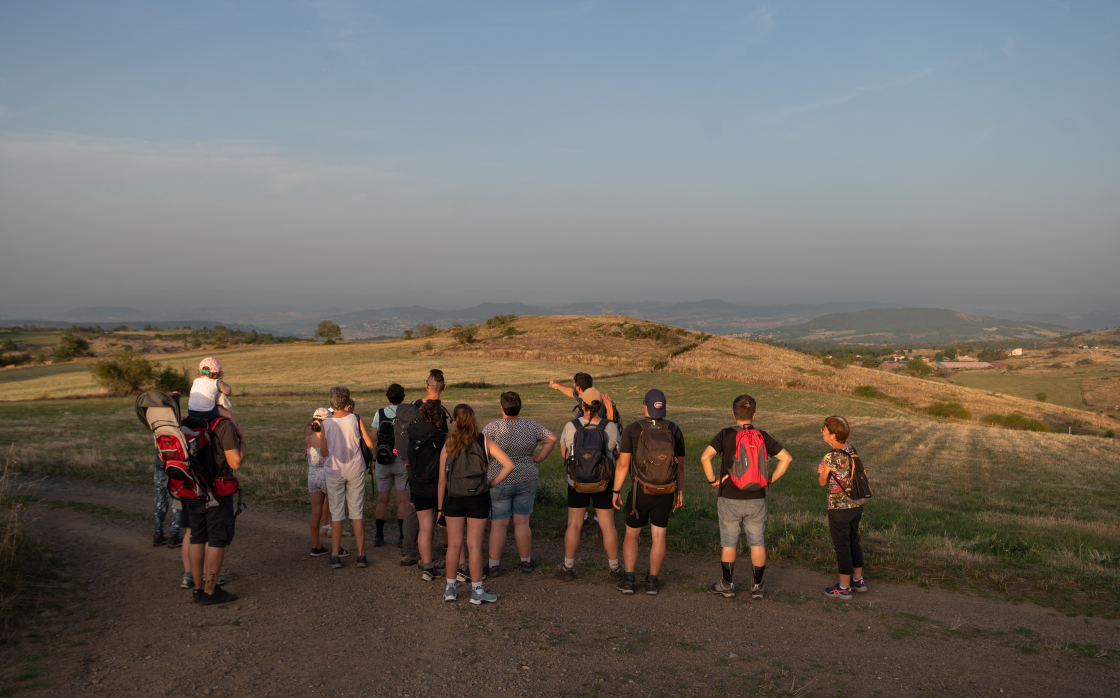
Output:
x=750 y=471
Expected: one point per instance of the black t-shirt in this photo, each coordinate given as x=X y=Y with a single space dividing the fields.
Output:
x=225 y=439
x=428 y=489
x=633 y=432
x=724 y=444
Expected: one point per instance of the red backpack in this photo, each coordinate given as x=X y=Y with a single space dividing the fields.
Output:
x=750 y=471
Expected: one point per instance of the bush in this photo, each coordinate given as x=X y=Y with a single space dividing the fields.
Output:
x=918 y=368
x=125 y=373
x=408 y=334
x=171 y=381
x=1084 y=362
x=427 y=329
x=949 y=408
x=870 y=362
x=1015 y=421
x=870 y=391
x=69 y=348
x=499 y=320
x=1041 y=397
x=465 y=335
x=510 y=331
x=427 y=346
x=1110 y=434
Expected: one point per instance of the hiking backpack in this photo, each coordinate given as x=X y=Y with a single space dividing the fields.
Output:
x=860 y=489
x=588 y=466
x=425 y=441
x=385 y=439
x=367 y=452
x=408 y=415
x=654 y=465
x=466 y=474
x=750 y=471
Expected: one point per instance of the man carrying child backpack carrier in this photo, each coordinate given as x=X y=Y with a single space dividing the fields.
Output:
x=652 y=451
x=842 y=472
x=200 y=458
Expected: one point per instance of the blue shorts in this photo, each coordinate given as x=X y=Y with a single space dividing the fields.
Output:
x=506 y=500
x=209 y=415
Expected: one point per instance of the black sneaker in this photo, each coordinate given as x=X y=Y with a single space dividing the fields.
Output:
x=527 y=567
x=651 y=586
x=410 y=560
x=361 y=561
x=400 y=542
x=175 y=541
x=724 y=589
x=614 y=573
x=220 y=595
x=336 y=562
x=320 y=551
x=196 y=596
x=626 y=586
x=158 y=539
x=463 y=576
x=378 y=542
x=566 y=574
x=343 y=552
x=494 y=572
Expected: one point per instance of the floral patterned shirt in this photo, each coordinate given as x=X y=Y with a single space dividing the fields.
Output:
x=840 y=481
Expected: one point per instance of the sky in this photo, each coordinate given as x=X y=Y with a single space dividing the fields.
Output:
x=365 y=154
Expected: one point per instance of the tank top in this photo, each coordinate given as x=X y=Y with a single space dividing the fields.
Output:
x=342 y=437
x=204 y=394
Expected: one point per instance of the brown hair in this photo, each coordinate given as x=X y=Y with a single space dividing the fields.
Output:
x=431 y=413
x=464 y=430
x=838 y=427
x=743 y=408
x=591 y=410
x=511 y=403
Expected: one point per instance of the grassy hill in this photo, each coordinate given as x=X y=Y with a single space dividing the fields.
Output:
x=929 y=325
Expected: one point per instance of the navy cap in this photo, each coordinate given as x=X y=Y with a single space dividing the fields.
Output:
x=655 y=404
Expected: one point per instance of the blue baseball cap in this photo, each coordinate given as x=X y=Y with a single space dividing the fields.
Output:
x=655 y=404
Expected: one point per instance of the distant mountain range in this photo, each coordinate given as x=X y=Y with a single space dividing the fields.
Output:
x=925 y=325
x=713 y=316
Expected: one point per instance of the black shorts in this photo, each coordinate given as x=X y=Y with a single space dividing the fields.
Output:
x=422 y=503
x=184 y=517
x=582 y=500
x=650 y=508
x=476 y=507
x=211 y=525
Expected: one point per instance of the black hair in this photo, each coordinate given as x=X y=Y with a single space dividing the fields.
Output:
x=582 y=380
x=395 y=393
x=743 y=408
x=511 y=403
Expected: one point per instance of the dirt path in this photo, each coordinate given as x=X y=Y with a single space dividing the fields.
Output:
x=303 y=629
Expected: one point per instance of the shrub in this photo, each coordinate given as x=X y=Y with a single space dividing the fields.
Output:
x=835 y=363
x=869 y=361
x=499 y=320
x=426 y=346
x=1084 y=362
x=125 y=373
x=1015 y=421
x=949 y=408
x=990 y=355
x=427 y=329
x=510 y=331
x=329 y=331
x=408 y=334
x=1041 y=397
x=1110 y=434
x=870 y=391
x=70 y=347
x=918 y=368
x=465 y=335
x=169 y=380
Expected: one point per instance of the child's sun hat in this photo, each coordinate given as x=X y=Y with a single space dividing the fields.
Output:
x=210 y=366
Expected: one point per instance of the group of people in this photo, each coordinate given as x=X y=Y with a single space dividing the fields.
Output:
x=450 y=473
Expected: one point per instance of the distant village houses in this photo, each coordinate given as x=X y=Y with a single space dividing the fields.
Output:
x=1016 y=352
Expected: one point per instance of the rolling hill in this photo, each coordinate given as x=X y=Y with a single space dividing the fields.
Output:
x=927 y=325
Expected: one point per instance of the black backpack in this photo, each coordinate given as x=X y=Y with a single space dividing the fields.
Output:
x=588 y=465
x=367 y=452
x=654 y=464
x=385 y=439
x=408 y=415
x=425 y=441
x=860 y=490
x=466 y=474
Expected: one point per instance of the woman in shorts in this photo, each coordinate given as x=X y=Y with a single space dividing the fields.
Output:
x=316 y=477
x=514 y=498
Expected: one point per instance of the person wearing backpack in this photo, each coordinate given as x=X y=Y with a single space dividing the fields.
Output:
x=652 y=452
x=408 y=415
x=464 y=490
x=744 y=475
x=389 y=467
x=425 y=445
x=581 y=382
x=588 y=446
x=343 y=435
x=838 y=471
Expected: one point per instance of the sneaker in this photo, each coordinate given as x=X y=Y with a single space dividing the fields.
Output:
x=463 y=576
x=626 y=586
x=494 y=572
x=378 y=542
x=566 y=574
x=325 y=531
x=187 y=582
x=859 y=585
x=343 y=552
x=757 y=591
x=220 y=595
x=158 y=539
x=196 y=596
x=336 y=562
x=481 y=596
x=431 y=575
x=320 y=551
x=651 y=586
x=527 y=567
x=361 y=561
x=175 y=541
x=614 y=573
x=450 y=594
x=400 y=542
x=724 y=589
x=838 y=592
x=410 y=560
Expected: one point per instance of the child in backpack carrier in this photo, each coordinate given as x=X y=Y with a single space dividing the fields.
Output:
x=210 y=395
x=836 y=472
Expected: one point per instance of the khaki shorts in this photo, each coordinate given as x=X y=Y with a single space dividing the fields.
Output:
x=347 y=495
x=392 y=476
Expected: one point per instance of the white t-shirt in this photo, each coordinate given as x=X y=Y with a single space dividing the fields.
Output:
x=343 y=437
x=204 y=394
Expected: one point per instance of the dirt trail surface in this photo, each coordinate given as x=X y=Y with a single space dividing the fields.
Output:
x=302 y=629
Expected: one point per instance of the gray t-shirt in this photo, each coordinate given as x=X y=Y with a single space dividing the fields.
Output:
x=568 y=437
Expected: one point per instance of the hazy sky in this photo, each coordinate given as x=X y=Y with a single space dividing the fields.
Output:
x=315 y=154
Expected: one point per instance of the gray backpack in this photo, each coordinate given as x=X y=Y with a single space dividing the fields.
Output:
x=466 y=475
x=407 y=415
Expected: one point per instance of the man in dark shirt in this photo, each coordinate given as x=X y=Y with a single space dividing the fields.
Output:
x=410 y=552
x=212 y=526
x=640 y=506
x=581 y=382
x=741 y=508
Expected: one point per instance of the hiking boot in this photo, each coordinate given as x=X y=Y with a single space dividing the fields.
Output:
x=614 y=573
x=838 y=592
x=859 y=585
x=626 y=586
x=480 y=596
x=320 y=551
x=158 y=539
x=175 y=541
x=336 y=562
x=450 y=594
x=566 y=574
x=757 y=592
x=409 y=560
x=187 y=582
x=527 y=567
x=378 y=542
x=220 y=595
x=651 y=586
x=343 y=552
x=494 y=572
x=361 y=561
x=724 y=589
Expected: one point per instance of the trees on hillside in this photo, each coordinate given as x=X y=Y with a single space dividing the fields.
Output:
x=329 y=331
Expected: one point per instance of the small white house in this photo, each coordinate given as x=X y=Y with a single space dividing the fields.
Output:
x=1016 y=352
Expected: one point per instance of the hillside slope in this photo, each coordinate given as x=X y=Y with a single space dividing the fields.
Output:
x=879 y=325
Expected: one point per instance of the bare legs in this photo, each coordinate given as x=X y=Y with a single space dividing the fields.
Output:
x=656 y=550
x=206 y=563
x=318 y=502
x=575 y=525
x=475 y=528
x=522 y=535
x=427 y=520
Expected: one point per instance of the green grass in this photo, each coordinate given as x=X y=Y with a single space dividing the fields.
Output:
x=1062 y=387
